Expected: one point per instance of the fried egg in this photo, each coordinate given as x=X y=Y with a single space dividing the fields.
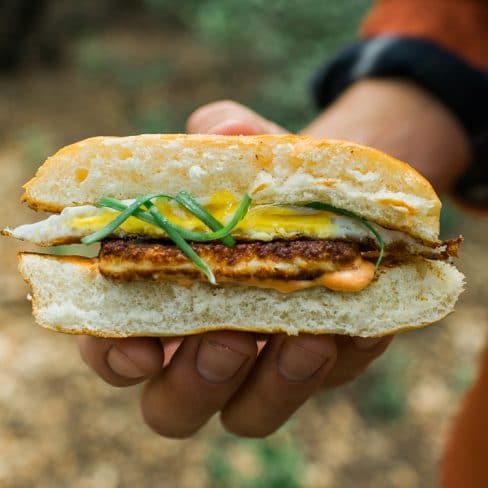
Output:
x=262 y=223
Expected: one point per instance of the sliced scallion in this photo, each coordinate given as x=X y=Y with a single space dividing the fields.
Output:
x=187 y=201
x=110 y=228
x=362 y=220
x=175 y=236
x=239 y=214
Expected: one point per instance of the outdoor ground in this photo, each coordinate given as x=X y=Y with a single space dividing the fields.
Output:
x=59 y=424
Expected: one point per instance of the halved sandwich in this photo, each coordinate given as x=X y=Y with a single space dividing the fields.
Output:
x=258 y=233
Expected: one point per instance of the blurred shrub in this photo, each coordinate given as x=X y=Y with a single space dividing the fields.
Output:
x=281 y=43
x=36 y=145
x=90 y=57
x=462 y=377
x=161 y=118
x=275 y=46
x=264 y=54
x=451 y=218
x=275 y=462
x=381 y=393
x=116 y=67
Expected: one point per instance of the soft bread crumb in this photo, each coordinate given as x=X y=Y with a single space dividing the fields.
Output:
x=70 y=295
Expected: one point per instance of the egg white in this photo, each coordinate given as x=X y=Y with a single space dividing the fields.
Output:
x=73 y=223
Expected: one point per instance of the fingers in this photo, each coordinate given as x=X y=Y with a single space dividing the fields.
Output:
x=214 y=371
x=204 y=373
x=122 y=362
x=289 y=370
x=354 y=355
x=230 y=118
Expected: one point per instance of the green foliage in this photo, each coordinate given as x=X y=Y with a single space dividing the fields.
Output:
x=462 y=377
x=36 y=145
x=265 y=54
x=89 y=56
x=282 y=42
x=114 y=66
x=162 y=118
x=381 y=393
x=169 y=11
x=451 y=219
x=275 y=462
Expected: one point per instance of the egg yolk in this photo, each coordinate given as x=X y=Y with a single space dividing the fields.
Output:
x=266 y=221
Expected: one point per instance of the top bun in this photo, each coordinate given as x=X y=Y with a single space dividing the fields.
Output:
x=281 y=169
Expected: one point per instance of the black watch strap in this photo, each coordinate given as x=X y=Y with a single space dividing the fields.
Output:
x=460 y=86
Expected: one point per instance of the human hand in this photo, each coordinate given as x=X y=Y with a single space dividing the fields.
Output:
x=255 y=382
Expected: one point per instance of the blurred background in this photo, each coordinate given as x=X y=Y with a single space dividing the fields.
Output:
x=71 y=69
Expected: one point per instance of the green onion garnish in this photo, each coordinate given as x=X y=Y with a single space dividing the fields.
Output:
x=175 y=236
x=187 y=201
x=239 y=214
x=347 y=213
x=110 y=228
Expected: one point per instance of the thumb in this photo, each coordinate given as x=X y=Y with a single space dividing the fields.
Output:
x=230 y=118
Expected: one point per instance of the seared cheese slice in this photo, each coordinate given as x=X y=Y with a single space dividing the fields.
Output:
x=286 y=266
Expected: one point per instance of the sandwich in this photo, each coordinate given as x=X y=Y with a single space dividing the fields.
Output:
x=272 y=233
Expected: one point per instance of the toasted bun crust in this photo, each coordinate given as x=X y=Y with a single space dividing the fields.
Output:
x=285 y=169
x=70 y=295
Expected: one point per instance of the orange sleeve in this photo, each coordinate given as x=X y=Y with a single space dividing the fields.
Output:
x=465 y=458
x=460 y=26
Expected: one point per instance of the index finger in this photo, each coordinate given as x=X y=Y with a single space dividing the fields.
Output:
x=229 y=118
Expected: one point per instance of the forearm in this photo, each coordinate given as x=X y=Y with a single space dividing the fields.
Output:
x=402 y=119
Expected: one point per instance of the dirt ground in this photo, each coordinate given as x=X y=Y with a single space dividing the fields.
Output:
x=61 y=426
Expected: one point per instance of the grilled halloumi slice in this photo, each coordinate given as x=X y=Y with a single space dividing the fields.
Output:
x=283 y=265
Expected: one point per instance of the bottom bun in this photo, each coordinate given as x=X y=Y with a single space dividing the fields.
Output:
x=70 y=295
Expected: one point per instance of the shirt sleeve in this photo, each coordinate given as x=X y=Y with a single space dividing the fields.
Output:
x=459 y=26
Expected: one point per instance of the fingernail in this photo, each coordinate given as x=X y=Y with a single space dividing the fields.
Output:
x=297 y=363
x=366 y=342
x=234 y=127
x=219 y=125
x=217 y=362
x=122 y=365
